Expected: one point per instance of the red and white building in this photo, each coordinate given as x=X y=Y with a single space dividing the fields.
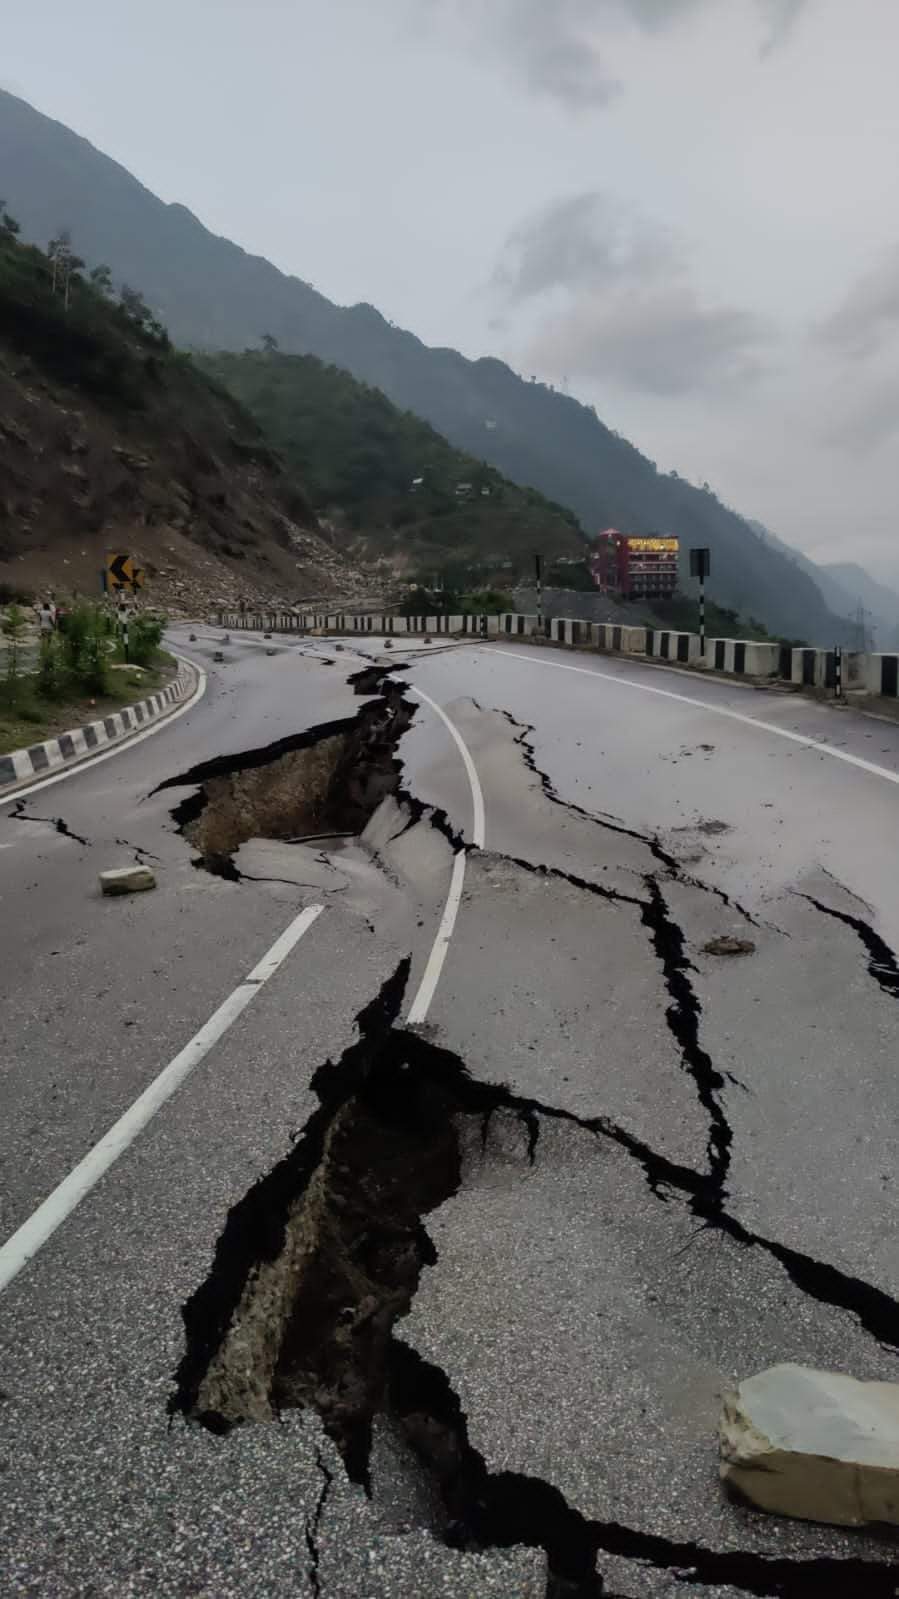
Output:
x=635 y=567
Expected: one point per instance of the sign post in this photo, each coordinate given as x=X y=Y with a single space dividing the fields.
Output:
x=700 y=566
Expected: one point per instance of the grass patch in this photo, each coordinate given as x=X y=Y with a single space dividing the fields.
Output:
x=33 y=718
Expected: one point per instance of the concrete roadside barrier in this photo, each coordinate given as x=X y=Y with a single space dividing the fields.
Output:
x=665 y=645
x=882 y=675
x=742 y=657
x=817 y=669
x=51 y=754
x=620 y=639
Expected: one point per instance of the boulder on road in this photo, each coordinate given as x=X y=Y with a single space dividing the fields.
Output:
x=127 y=880
x=814 y=1444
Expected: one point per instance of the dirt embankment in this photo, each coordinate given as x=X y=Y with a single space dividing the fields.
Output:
x=183 y=482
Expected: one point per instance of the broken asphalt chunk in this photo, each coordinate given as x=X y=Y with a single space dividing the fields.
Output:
x=127 y=880
x=815 y=1445
x=727 y=945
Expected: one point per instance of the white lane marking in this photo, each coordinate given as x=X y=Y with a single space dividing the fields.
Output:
x=477 y=796
x=717 y=710
x=42 y=1224
x=421 y=1004
x=119 y=748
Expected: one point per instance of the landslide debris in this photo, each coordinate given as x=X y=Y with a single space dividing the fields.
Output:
x=111 y=438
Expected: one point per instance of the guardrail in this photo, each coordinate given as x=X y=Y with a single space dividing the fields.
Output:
x=834 y=670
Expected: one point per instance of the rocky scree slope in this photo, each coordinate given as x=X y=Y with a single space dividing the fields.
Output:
x=110 y=439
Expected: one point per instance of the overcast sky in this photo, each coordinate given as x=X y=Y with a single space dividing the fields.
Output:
x=684 y=210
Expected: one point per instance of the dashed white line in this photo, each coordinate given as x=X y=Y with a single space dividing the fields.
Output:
x=42 y=1224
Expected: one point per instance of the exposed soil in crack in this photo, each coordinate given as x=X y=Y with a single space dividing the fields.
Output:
x=327 y=780
x=59 y=825
x=321 y=1259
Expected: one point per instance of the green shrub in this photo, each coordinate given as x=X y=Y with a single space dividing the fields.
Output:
x=14 y=624
x=52 y=672
x=85 y=647
x=144 y=638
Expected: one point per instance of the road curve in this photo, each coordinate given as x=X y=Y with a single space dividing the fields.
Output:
x=666 y=1167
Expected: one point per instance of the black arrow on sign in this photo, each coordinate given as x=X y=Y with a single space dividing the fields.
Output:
x=120 y=570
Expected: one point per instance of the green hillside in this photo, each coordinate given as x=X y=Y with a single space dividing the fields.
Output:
x=110 y=437
x=387 y=482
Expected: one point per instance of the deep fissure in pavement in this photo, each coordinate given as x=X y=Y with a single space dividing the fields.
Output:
x=321 y=1259
x=329 y=779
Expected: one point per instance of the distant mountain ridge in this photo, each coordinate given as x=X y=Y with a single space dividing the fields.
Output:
x=213 y=295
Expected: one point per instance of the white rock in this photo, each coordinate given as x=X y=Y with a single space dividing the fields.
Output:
x=127 y=880
x=814 y=1444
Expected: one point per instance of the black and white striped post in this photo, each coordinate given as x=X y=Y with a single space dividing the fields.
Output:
x=538 y=568
x=700 y=566
x=838 y=672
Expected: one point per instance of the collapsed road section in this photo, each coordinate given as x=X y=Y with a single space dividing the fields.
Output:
x=327 y=780
x=318 y=1266
x=321 y=1260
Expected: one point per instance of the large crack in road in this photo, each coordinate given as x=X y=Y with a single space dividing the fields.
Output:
x=326 y=781
x=320 y=1261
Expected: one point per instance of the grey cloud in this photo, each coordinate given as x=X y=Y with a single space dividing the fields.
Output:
x=662 y=342
x=869 y=315
x=580 y=242
x=866 y=422
x=559 y=45
x=629 y=312
x=782 y=17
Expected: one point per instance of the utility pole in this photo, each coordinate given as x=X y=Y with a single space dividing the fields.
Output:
x=700 y=566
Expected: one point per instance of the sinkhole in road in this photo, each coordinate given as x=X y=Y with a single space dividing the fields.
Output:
x=327 y=780
x=321 y=1259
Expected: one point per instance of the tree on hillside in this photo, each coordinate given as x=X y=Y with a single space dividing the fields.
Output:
x=8 y=223
x=101 y=279
x=270 y=344
x=137 y=311
x=66 y=264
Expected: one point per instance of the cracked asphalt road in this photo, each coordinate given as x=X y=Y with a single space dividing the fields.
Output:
x=697 y=1178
